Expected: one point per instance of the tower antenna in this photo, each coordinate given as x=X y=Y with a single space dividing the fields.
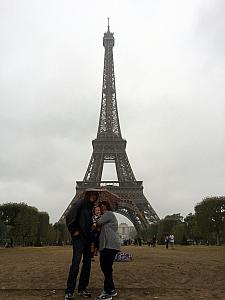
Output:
x=108 y=24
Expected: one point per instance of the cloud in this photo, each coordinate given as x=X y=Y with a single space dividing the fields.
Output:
x=169 y=64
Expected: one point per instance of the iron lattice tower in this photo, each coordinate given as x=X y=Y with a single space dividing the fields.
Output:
x=109 y=146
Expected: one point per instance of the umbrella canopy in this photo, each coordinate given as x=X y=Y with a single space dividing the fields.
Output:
x=110 y=197
x=104 y=195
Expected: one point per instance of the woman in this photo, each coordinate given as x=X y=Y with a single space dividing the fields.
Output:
x=109 y=246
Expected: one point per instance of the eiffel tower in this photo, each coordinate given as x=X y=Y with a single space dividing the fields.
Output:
x=109 y=146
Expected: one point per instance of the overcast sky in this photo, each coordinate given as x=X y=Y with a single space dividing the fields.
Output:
x=170 y=76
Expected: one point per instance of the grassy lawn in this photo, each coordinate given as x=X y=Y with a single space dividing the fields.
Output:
x=193 y=272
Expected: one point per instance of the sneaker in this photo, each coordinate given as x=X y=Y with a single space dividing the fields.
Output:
x=68 y=296
x=84 y=294
x=113 y=293
x=104 y=296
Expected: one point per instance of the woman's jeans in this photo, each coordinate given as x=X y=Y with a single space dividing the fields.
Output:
x=107 y=257
x=80 y=247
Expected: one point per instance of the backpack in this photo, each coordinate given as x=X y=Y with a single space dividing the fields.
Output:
x=123 y=257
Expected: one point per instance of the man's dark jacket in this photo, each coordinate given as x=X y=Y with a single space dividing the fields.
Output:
x=79 y=218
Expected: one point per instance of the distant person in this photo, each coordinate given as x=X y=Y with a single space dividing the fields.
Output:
x=139 y=242
x=154 y=241
x=79 y=222
x=167 y=240
x=171 y=240
x=109 y=246
x=11 y=243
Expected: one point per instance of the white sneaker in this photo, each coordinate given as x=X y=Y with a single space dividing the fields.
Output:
x=113 y=293
x=104 y=296
x=68 y=296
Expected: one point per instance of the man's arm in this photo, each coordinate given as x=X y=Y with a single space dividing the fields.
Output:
x=72 y=218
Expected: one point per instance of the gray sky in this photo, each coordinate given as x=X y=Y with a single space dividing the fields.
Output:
x=170 y=72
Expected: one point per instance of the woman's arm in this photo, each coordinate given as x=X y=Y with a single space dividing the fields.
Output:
x=105 y=218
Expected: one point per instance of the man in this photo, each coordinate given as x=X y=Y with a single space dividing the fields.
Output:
x=79 y=223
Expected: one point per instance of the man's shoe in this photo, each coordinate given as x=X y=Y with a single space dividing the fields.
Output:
x=68 y=296
x=113 y=293
x=84 y=294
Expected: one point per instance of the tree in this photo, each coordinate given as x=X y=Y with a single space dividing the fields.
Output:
x=9 y=212
x=167 y=225
x=148 y=233
x=52 y=235
x=25 y=224
x=210 y=217
x=62 y=233
x=43 y=227
x=176 y=217
x=180 y=233
x=3 y=231
x=193 y=231
x=170 y=224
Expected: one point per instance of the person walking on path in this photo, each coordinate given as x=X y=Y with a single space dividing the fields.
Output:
x=154 y=241
x=79 y=223
x=167 y=241
x=171 y=241
x=109 y=246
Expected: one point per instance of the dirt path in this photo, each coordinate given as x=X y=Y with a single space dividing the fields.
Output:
x=183 y=273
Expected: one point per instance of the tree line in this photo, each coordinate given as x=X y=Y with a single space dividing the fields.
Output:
x=206 y=225
x=24 y=225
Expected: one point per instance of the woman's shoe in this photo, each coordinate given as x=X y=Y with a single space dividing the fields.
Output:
x=113 y=293
x=104 y=296
x=68 y=296
x=84 y=294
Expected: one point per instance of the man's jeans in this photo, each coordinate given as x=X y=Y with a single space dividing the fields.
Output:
x=80 y=247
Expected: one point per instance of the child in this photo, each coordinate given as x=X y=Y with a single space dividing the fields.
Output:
x=95 y=232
